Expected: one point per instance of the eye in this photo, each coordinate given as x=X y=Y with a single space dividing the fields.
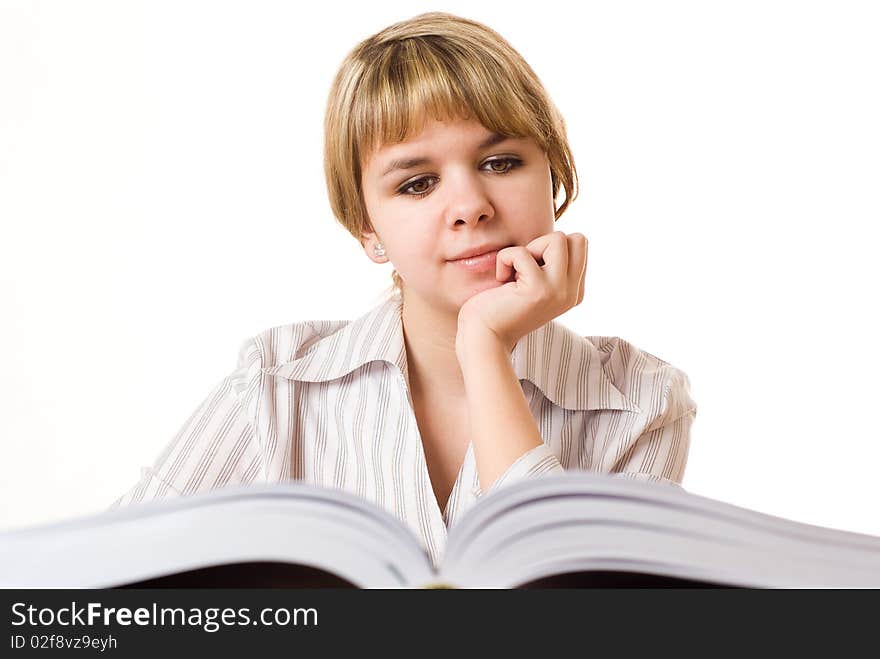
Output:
x=509 y=163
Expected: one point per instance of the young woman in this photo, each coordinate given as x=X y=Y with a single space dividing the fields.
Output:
x=445 y=156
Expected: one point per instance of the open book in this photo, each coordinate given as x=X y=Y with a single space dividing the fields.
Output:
x=573 y=529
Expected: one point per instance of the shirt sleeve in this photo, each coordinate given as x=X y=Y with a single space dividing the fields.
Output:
x=215 y=447
x=659 y=453
x=534 y=462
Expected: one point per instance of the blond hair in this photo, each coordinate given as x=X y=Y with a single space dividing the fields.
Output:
x=441 y=66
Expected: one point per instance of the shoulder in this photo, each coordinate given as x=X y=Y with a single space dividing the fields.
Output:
x=280 y=344
x=659 y=388
x=276 y=346
x=623 y=360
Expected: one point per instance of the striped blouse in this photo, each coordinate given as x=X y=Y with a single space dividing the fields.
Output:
x=327 y=402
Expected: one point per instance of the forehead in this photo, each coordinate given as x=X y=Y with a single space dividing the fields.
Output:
x=432 y=128
x=429 y=129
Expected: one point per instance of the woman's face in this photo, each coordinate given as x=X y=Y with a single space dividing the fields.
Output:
x=465 y=193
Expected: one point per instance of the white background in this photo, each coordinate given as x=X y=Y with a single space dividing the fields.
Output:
x=162 y=199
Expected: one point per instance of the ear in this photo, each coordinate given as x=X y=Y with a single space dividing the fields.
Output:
x=369 y=239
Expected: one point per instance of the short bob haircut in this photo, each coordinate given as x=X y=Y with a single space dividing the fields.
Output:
x=441 y=66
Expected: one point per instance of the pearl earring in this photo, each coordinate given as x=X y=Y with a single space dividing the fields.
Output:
x=378 y=250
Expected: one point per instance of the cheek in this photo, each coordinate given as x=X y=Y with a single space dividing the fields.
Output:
x=415 y=250
x=530 y=209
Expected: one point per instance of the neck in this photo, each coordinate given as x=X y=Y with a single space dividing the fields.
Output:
x=429 y=335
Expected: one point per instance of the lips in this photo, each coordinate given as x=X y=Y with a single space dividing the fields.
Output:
x=482 y=263
x=478 y=251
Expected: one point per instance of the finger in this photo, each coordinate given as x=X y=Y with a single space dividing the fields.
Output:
x=504 y=270
x=577 y=252
x=551 y=249
x=539 y=245
x=521 y=265
x=584 y=274
x=556 y=261
x=577 y=262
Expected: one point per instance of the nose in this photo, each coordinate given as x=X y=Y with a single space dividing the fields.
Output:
x=468 y=201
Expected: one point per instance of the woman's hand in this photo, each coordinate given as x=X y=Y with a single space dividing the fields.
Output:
x=533 y=295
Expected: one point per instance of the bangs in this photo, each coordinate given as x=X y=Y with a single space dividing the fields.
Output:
x=415 y=80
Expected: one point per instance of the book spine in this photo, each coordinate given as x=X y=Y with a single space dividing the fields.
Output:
x=439 y=585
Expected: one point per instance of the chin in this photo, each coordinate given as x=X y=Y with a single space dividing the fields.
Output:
x=479 y=287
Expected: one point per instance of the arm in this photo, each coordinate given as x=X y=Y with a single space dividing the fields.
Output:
x=506 y=439
x=507 y=442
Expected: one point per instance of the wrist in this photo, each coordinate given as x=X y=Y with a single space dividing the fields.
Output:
x=479 y=341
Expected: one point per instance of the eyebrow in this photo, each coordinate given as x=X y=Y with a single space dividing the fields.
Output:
x=409 y=163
